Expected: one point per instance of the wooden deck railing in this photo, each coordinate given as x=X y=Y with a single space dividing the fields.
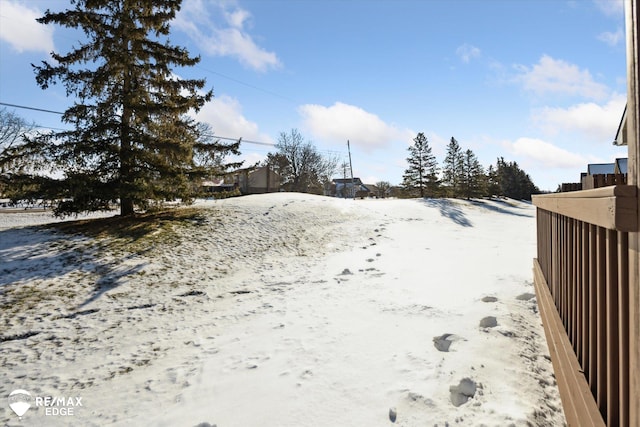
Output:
x=582 y=282
x=590 y=182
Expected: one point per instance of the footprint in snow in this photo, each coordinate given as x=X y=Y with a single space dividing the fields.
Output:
x=488 y=322
x=443 y=342
x=526 y=296
x=393 y=413
x=462 y=392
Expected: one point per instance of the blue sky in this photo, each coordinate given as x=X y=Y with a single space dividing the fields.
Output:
x=541 y=82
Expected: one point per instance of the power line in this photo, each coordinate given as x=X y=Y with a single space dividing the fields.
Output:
x=226 y=138
x=31 y=108
x=58 y=112
x=249 y=85
x=244 y=140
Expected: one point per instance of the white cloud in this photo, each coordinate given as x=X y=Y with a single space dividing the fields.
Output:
x=555 y=76
x=597 y=123
x=224 y=114
x=342 y=122
x=467 y=52
x=20 y=29
x=224 y=34
x=237 y=17
x=612 y=39
x=541 y=154
x=610 y=7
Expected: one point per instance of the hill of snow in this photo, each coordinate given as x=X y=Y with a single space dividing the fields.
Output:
x=281 y=310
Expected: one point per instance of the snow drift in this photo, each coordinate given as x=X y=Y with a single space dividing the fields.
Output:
x=282 y=310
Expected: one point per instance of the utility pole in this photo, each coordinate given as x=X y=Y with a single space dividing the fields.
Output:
x=353 y=188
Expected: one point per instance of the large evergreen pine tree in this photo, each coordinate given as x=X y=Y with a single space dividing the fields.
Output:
x=132 y=140
x=493 y=183
x=452 y=170
x=472 y=179
x=422 y=172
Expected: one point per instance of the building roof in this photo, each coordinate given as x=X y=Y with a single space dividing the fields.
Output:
x=356 y=181
x=216 y=182
x=622 y=129
x=601 y=168
x=621 y=165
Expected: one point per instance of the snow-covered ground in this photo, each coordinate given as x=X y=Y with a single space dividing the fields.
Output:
x=281 y=310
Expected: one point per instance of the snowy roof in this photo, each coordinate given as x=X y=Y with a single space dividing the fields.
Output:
x=356 y=181
x=217 y=182
x=621 y=165
x=601 y=168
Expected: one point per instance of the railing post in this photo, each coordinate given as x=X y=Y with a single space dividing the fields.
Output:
x=633 y=133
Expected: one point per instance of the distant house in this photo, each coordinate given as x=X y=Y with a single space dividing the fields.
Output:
x=257 y=180
x=377 y=192
x=216 y=185
x=374 y=191
x=347 y=188
x=604 y=174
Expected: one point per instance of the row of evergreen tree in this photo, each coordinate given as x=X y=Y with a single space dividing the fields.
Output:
x=461 y=174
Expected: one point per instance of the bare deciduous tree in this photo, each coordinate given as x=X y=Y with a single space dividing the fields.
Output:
x=12 y=128
x=302 y=167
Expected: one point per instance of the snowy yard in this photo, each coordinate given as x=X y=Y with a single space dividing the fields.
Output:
x=281 y=310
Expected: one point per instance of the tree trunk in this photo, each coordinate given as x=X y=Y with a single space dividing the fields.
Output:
x=126 y=207
x=126 y=202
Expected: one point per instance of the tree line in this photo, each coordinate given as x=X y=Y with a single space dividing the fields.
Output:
x=461 y=175
x=133 y=140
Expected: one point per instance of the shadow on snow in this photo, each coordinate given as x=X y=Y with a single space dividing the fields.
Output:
x=35 y=253
x=454 y=210
x=449 y=209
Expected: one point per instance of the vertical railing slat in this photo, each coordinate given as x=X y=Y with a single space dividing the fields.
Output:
x=593 y=307
x=623 y=322
x=565 y=272
x=612 y=328
x=575 y=301
x=584 y=282
x=601 y=313
x=578 y=287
